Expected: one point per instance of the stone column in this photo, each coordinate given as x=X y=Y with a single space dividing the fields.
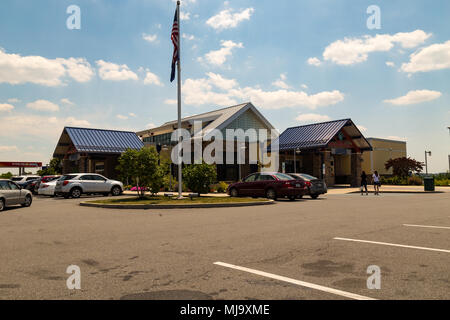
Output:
x=66 y=166
x=317 y=165
x=329 y=169
x=356 y=169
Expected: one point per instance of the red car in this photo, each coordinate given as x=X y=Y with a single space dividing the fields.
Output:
x=271 y=185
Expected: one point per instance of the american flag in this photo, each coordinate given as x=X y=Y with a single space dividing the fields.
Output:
x=175 y=37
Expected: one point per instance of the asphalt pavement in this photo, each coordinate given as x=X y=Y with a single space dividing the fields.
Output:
x=307 y=249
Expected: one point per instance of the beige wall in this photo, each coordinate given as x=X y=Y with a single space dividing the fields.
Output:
x=383 y=150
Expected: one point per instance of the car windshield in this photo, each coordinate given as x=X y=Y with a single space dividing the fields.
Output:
x=282 y=176
x=67 y=177
x=16 y=179
x=307 y=177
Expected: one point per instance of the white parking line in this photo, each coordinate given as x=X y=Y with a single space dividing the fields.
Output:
x=394 y=245
x=297 y=282
x=421 y=226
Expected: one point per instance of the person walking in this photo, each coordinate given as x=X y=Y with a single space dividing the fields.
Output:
x=376 y=183
x=364 y=183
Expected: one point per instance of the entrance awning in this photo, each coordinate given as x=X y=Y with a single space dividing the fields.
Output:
x=338 y=134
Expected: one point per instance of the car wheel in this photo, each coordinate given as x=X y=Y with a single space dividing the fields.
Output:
x=75 y=193
x=28 y=201
x=292 y=198
x=314 y=196
x=271 y=194
x=116 y=191
x=234 y=193
x=2 y=205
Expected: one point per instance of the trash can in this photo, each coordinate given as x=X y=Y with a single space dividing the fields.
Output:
x=428 y=183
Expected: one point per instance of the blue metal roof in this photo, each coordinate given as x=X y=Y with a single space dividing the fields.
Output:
x=310 y=136
x=103 y=141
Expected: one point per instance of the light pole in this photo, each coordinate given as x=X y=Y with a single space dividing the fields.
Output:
x=426 y=162
x=296 y=151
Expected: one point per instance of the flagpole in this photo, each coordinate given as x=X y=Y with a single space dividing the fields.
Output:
x=180 y=166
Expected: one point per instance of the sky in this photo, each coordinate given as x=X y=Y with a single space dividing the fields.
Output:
x=298 y=62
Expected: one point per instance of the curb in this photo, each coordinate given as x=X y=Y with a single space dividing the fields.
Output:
x=176 y=206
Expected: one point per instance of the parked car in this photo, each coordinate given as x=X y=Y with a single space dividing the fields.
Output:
x=47 y=188
x=11 y=194
x=76 y=184
x=44 y=179
x=22 y=179
x=271 y=185
x=29 y=184
x=315 y=186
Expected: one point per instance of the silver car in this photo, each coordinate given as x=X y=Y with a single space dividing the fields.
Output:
x=76 y=184
x=11 y=194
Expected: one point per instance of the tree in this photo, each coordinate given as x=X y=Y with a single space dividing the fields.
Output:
x=199 y=177
x=141 y=166
x=7 y=175
x=53 y=168
x=402 y=167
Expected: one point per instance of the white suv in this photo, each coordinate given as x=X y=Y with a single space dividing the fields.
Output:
x=76 y=184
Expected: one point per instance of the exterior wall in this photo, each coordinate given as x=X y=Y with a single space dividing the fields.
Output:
x=356 y=159
x=383 y=150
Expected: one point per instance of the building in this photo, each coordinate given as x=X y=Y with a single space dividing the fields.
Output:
x=84 y=150
x=330 y=150
x=243 y=116
x=383 y=150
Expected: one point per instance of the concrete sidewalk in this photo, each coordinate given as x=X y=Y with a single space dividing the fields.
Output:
x=387 y=189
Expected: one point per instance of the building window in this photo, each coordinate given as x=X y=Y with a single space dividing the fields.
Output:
x=100 y=167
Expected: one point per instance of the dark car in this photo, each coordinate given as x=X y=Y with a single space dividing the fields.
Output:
x=315 y=186
x=270 y=185
x=29 y=184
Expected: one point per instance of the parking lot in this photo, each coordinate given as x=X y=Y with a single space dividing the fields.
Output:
x=307 y=249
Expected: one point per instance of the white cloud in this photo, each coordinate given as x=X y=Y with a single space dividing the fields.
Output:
x=15 y=69
x=414 y=97
x=67 y=102
x=314 y=62
x=8 y=148
x=13 y=100
x=218 y=57
x=6 y=107
x=189 y=37
x=28 y=126
x=170 y=101
x=390 y=64
x=312 y=118
x=281 y=82
x=43 y=105
x=211 y=91
x=304 y=86
x=226 y=19
x=434 y=57
x=355 y=50
x=150 y=37
x=131 y=114
x=121 y=117
x=220 y=82
x=115 y=72
x=151 y=125
x=185 y=15
x=151 y=78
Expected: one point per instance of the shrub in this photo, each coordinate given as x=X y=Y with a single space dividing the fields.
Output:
x=222 y=187
x=199 y=177
x=442 y=182
x=415 y=181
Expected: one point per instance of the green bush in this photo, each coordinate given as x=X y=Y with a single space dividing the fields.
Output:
x=199 y=177
x=442 y=182
x=222 y=187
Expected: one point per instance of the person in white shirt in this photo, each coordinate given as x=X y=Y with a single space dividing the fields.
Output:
x=376 y=182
